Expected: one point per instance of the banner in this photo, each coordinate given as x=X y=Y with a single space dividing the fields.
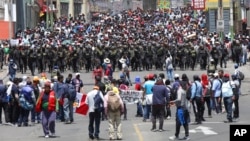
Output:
x=163 y=4
x=14 y=42
x=99 y=6
x=131 y=96
x=198 y=4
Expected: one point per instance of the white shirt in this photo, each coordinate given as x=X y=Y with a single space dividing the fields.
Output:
x=90 y=99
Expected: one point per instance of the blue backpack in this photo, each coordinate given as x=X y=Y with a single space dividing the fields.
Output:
x=71 y=92
x=25 y=98
x=98 y=102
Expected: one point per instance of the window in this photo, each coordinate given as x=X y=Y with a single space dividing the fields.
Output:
x=77 y=9
x=64 y=9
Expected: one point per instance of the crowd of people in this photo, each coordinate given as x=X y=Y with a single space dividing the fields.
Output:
x=140 y=40
x=143 y=38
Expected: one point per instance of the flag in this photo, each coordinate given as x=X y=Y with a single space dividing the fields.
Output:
x=80 y=106
x=89 y=29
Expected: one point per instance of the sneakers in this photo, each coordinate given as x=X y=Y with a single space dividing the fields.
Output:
x=173 y=138
x=168 y=118
x=46 y=136
x=161 y=130
x=53 y=135
x=186 y=138
x=235 y=119
x=153 y=130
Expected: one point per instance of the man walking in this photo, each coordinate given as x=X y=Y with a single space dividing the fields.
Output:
x=160 y=98
x=94 y=112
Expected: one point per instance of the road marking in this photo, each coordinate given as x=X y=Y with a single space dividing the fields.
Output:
x=138 y=132
x=205 y=130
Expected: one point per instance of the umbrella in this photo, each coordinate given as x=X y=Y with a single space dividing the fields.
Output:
x=64 y=42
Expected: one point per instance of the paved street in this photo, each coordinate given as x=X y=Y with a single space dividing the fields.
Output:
x=133 y=128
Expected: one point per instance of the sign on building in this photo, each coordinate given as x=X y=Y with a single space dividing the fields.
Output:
x=220 y=25
x=198 y=4
x=177 y=3
x=163 y=4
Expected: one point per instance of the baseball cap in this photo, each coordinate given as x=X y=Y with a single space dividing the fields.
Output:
x=176 y=75
x=216 y=74
x=227 y=75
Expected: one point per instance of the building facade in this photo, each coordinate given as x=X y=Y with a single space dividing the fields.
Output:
x=6 y=21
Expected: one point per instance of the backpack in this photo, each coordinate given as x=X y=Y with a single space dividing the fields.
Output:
x=98 y=102
x=175 y=87
x=241 y=75
x=226 y=89
x=172 y=92
x=25 y=98
x=189 y=91
x=113 y=102
x=71 y=92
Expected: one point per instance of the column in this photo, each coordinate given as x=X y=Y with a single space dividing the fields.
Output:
x=58 y=7
x=71 y=7
x=84 y=7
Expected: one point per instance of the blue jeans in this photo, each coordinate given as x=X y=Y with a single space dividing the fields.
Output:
x=12 y=76
x=216 y=104
x=35 y=115
x=23 y=117
x=228 y=103
x=170 y=74
x=147 y=111
x=139 y=109
x=94 y=118
x=68 y=109
x=244 y=58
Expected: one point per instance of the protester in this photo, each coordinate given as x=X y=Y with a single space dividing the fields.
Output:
x=160 y=99
x=114 y=108
x=68 y=100
x=182 y=114
x=77 y=82
x=94 y=113
x=236 y=97
x=229 y=91
x=206 y=94
x=36 y=116
x=197 y=99
x=147 y=96
x=4 y=102
x=12 y=68
x=48 y=105
x=27 y=101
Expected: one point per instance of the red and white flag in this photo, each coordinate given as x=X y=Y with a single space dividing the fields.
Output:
x=80 y=106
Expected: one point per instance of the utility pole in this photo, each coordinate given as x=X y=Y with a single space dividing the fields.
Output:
x=220 y=19
x=231 y=20
x=10 y=4
x=47 y=14
x=51 y=15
